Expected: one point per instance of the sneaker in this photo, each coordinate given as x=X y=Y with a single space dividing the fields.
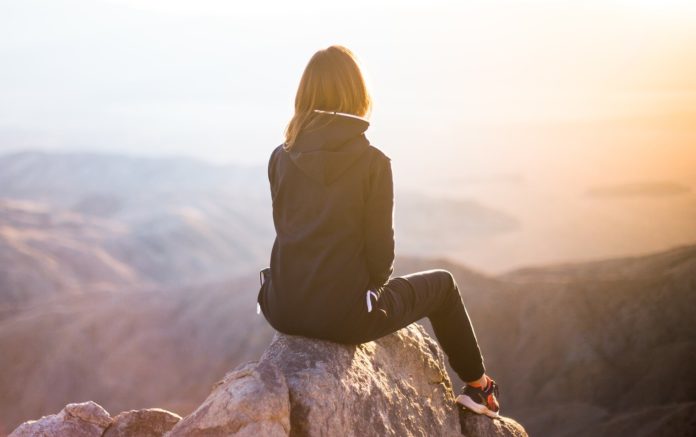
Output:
x=481 y=400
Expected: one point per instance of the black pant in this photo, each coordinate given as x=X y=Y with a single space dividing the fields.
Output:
x=407 y=299
x=433 y=294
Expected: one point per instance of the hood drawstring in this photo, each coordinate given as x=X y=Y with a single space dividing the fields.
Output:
x=369 y=303
x=258 y=306
x=341 y=113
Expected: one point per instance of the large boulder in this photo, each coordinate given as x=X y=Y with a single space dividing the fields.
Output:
x=394 y=386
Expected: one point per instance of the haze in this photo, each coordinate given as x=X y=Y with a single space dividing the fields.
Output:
x=540 y=110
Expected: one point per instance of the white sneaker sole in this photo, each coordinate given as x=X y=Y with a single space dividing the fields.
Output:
x=476 y=407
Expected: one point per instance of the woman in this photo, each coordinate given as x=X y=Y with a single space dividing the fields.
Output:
x=333 y=256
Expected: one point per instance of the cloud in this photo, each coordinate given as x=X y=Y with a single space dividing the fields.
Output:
x=639 y=189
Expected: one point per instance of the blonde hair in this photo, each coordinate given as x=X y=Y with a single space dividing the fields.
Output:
x=332 y=81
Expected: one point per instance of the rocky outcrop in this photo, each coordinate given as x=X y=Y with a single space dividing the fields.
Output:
x=394 y=386
x=150 y=422
x=89 y=419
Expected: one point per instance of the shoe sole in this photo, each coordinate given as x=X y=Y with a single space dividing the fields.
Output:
x=476 y=407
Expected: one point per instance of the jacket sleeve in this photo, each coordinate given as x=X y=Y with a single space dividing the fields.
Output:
x=379 y=225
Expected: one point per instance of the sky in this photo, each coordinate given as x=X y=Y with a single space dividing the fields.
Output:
x=216 y=80
x=524 y=106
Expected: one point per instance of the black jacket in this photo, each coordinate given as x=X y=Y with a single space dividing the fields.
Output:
x=333 y=211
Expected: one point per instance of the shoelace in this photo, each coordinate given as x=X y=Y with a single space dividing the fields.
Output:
x=494 y=387
x=491 y=385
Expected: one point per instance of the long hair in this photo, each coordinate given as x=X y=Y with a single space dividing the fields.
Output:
x=332 y=81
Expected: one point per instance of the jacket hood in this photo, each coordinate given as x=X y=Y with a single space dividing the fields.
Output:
x=324 y=153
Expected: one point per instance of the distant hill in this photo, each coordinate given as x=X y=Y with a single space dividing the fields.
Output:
x=169 y=220
x=46 y=252
x=100 y=221
x=225 y=211
x=640 y=189
x=162 y=347
x=49 y=249
x=601 y=348
x=65 y=178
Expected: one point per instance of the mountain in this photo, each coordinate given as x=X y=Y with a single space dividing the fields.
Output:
x=221 y=213
x=578 y=349
x=597 y=348
x=132 y=282
x=162 y=347
x=46 y=252
x=66 y=178
x=49 y=250
x=180 y=220
x=170 y=220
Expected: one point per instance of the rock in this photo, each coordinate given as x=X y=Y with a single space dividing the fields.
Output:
x=150 y=422
x=395 y=386
x=85 y=419
x=474 y=425
x=89 y=419
x=252 y=400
